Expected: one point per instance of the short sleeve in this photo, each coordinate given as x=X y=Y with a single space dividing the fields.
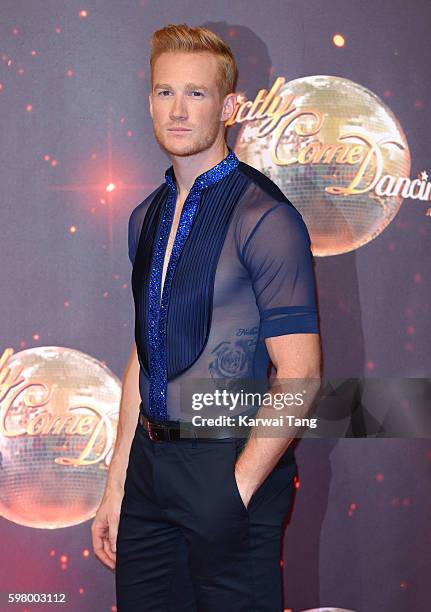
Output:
x=132 y=241
x=136 y=221
x=279 y=260
x=135 y=225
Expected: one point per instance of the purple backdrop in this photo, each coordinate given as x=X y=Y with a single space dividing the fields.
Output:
x=86 y=79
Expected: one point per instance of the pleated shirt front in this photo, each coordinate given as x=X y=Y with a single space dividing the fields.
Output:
x=240 y=271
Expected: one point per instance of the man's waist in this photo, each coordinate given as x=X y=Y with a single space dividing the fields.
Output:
x=219 y=427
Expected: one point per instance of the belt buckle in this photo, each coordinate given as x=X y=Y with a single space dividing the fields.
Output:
x=154 y=430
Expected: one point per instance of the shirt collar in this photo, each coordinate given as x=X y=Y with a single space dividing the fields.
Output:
x=211 y=176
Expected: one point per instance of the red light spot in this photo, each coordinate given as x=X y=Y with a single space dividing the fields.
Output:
x=29 y=108
x=370 y=365
x=36 y=337
x=379 y=477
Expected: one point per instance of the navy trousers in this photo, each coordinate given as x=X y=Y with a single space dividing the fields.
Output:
x=186 y=542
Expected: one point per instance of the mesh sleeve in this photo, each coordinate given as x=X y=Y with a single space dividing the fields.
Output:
x=132 y=242
x=278 y=257
x=134 y=228
x=136 y=221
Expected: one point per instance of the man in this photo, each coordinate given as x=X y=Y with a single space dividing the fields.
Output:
x=222 y=283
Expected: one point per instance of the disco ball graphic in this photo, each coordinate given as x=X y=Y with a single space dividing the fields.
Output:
x=335 y=133
x=59 y=414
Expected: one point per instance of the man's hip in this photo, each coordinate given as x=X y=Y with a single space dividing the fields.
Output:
x=183 y=495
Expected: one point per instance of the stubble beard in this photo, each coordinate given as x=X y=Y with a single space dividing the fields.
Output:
x=196 y=144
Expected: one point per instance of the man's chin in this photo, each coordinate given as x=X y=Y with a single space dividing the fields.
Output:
x=181 y=149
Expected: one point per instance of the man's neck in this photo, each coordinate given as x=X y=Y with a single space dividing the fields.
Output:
x=187 y=169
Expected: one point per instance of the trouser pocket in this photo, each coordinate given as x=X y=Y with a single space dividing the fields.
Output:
x=274 y=495
x=237 y=448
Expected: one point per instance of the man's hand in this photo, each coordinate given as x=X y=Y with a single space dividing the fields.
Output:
x=104 y=528
x=245 y=491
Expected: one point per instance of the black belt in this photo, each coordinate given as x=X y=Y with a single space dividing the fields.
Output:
x=162 y=432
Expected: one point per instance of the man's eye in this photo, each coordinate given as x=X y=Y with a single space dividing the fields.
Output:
x=163 y=92
x=198 y=92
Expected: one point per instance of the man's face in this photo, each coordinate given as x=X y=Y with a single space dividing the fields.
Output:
x=185 y=95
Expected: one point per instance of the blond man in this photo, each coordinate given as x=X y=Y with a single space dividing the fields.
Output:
x=223 y=286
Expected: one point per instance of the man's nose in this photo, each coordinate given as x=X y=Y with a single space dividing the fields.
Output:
x=178 y=109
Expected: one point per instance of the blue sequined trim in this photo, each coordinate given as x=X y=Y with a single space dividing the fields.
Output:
x=157 y=309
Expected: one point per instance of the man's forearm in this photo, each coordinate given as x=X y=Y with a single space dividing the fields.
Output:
x=264 y=449
x=128 y=415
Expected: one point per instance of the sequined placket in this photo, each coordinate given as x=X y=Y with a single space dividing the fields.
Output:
x=158 y=308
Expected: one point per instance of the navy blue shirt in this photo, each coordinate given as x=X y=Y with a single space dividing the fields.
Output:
x=240 y=271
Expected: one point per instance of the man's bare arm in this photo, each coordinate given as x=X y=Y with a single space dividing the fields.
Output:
x=297 y=359
x=128 y=418
x=105 y=525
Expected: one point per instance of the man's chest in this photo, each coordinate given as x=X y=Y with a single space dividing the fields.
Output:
x=171 y=238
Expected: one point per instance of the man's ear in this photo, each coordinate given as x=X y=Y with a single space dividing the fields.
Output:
x=229 y=105
x=150 y=101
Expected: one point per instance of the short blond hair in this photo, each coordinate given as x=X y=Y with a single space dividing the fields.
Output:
x=182 y=37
